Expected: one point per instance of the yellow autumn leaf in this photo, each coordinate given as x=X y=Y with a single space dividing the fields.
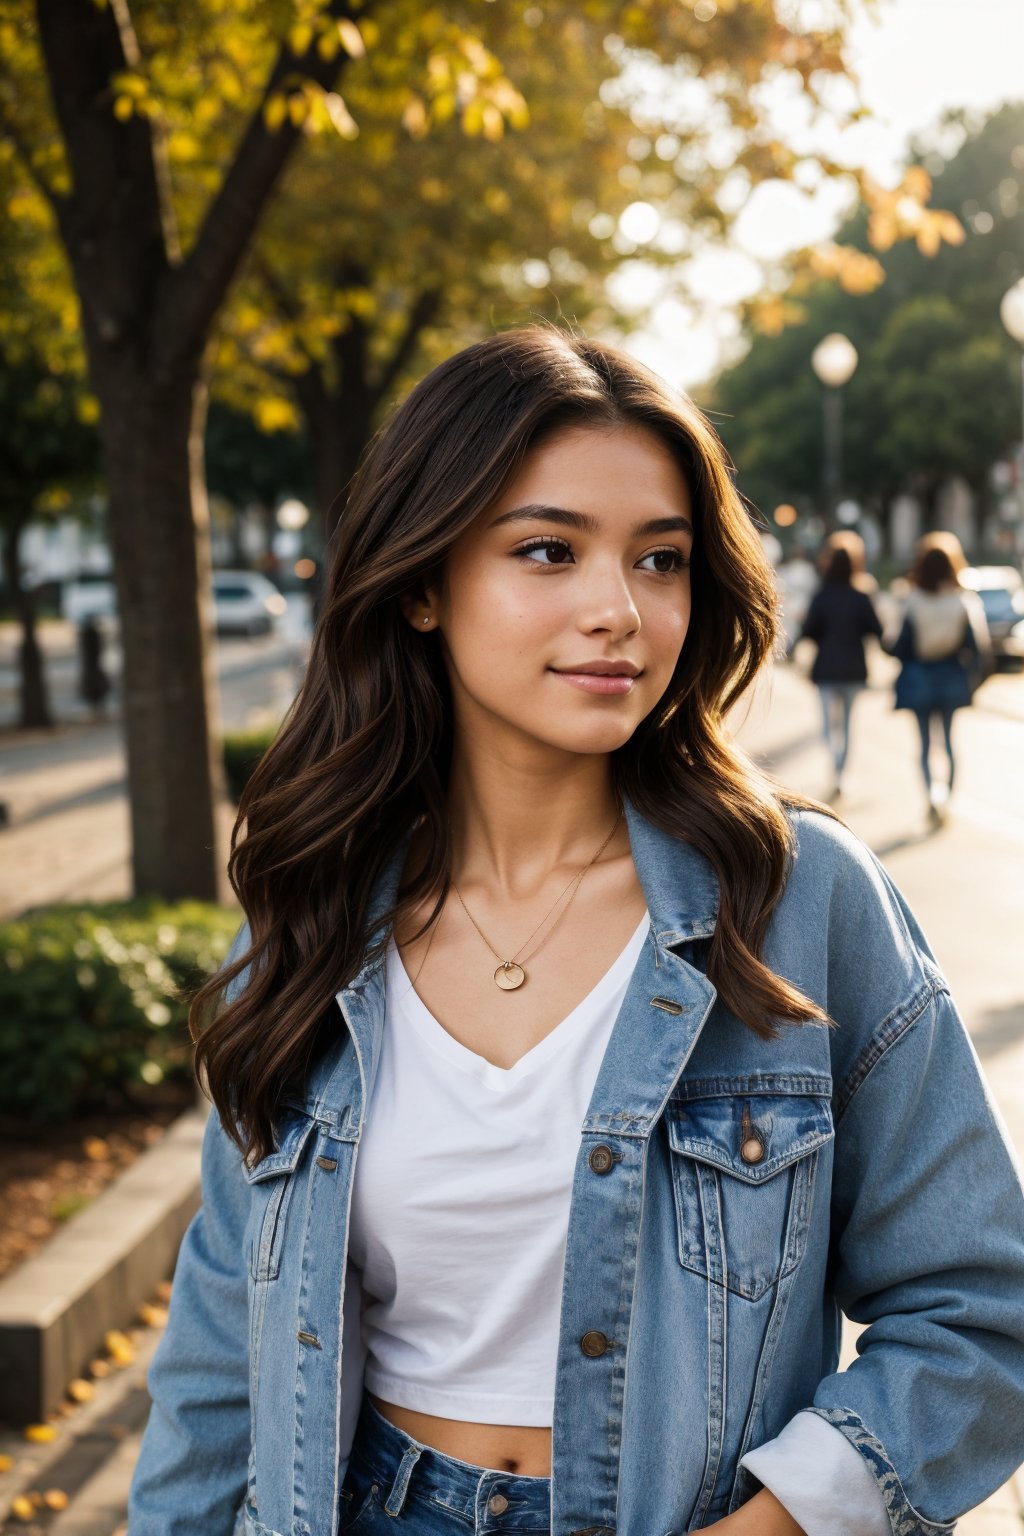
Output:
x=414 y=117
x=123 y=108
x=473 y=117
x=152 y=1316
x=351 y=38
x=493 y=123
x=22 y=1508
x=40 y=1434
x=6 y=1463
x=298 y=107
x=327 y=44
x=275 y=415
x=341 y=118
x=87 y=409
x=300 y=36
x=80 y=1390
x=275 y=109
x=55 y=1498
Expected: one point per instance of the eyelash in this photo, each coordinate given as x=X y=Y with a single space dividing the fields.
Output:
x=682 y=561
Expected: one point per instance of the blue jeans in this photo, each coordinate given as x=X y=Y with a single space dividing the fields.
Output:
x=393 y=1480
x=924 y=719
x=836 y=708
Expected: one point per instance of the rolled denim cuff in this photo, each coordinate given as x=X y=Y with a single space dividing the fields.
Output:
x=904 y=1519
x=818 y=1476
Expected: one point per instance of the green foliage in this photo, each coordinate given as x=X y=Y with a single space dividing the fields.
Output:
x=935 y=392
x=94 y=1002
x=242 y=751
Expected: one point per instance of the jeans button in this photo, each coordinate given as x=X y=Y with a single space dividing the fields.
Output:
x=497 y=1503
x=594 y=1343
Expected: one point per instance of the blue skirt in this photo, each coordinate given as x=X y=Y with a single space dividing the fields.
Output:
x=924 y=686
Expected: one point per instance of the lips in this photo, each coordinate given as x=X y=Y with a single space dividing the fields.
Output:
x=600 y=669
x=607 y=678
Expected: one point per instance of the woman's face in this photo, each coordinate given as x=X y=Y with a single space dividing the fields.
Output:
x=566 y=606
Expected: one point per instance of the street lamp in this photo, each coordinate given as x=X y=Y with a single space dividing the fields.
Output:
x=833 y=360
x=1011 y=311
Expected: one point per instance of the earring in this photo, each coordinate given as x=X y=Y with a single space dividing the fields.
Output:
x=427 y=620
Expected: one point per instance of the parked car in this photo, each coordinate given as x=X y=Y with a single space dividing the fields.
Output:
x=246 y=603
x=1001 y=590
x=90 y=595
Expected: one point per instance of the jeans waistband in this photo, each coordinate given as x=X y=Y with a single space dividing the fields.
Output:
x=489 y=1499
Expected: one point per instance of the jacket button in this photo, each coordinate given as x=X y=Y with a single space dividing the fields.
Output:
x=497 y=1503
x=752 y=1150
x=601 y=1159
x=594 y=1343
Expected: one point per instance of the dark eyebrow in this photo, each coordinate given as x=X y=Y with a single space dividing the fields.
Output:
x=537 y=512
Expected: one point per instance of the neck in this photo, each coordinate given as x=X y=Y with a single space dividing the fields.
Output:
x=515 y=823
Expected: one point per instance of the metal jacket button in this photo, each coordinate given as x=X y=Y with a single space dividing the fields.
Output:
x=752 y=1151
x=601 y=1159
x=497 y=1503
x=594 y=1343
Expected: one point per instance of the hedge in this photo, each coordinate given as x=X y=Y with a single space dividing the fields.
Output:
x=93 y=1002
x=242 y=751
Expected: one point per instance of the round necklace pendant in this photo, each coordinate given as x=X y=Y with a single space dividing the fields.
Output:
x=509 y=976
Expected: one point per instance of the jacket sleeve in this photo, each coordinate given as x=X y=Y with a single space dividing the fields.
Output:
x=191 y=1472
x=928 y=1254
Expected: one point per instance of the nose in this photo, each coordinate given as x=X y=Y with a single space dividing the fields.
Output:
x=607 y=605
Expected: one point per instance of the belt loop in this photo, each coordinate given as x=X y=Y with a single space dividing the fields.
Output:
x=396 y=1498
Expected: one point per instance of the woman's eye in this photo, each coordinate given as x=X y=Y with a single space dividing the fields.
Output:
x=671 y=560
x=554 y=548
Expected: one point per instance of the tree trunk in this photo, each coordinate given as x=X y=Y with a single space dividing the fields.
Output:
x=340 y=425
x=160 y=538
x=34 y=701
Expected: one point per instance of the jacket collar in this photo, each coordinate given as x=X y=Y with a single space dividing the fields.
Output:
x=678 y=881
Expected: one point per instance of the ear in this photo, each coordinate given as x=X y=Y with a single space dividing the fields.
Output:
x=419 y=608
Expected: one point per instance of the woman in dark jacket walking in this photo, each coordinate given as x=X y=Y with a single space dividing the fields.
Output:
x=841 y=614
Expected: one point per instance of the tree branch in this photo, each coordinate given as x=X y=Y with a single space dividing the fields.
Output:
x=195 y=291
x=423 y=313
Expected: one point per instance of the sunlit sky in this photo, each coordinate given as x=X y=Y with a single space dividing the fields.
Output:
x=915 y=59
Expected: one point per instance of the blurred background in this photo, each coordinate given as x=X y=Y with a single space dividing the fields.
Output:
x=233 y=235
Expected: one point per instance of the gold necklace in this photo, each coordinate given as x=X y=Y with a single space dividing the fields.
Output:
x=510 y=974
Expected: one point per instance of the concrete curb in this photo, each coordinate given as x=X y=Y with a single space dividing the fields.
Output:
x=91 y=1277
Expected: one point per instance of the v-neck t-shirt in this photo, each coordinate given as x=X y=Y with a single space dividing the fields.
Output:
x=460 y=1205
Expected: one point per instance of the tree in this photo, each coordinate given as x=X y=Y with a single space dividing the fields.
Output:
x=157 y=148
x=935 y=388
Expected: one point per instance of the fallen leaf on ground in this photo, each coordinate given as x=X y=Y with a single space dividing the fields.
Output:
x=152 y=1316
x=6 y=1463
x=40 y=1434
x=22 y=1508
x=55 y=1498
x=96 y=1149
x=80 y=1390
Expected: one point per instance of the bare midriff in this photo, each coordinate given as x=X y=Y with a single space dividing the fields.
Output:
x=521 y=1449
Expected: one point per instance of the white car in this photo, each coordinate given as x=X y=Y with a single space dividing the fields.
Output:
x=246 y=603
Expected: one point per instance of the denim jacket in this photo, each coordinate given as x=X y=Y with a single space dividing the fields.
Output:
x=756 y=1190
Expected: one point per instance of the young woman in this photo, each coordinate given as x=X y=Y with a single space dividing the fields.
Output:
x=943 y=645
x=571 y=1079
x=840 y=617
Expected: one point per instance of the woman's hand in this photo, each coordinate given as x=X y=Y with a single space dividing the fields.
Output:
x=762 y=1515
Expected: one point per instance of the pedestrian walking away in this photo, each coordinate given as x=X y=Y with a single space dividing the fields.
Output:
x=840 y=616
x=570 y=1077
x=943 y=645
x=93 y=681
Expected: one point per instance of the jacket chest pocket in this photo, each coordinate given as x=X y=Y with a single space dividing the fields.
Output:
x=273 y=1181
x=743 y=1169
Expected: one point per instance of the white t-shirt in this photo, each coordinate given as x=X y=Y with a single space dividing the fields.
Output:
x=460 y=1205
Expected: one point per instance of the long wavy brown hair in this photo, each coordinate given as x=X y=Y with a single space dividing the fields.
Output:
x=364 y=751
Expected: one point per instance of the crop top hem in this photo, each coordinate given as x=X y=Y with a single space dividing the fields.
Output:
x=471 y=1407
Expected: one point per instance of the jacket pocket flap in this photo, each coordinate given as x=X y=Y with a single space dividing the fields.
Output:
x=292 y=1136
x=749 y=1136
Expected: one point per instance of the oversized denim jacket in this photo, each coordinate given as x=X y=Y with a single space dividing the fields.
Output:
x=881 y=1186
